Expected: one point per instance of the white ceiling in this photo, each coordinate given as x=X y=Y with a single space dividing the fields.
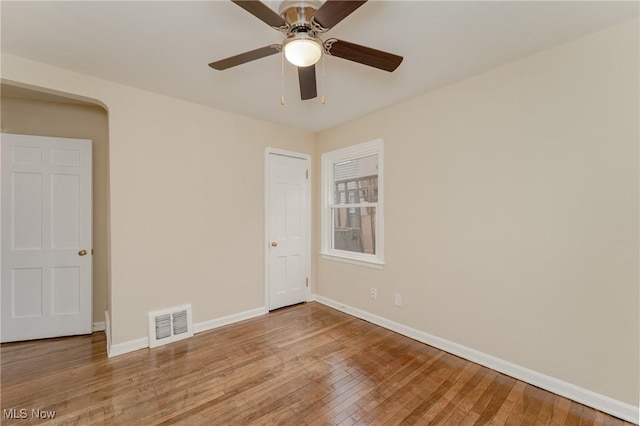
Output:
x=164 y=47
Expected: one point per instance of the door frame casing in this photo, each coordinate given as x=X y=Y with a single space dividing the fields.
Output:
x=267 y=218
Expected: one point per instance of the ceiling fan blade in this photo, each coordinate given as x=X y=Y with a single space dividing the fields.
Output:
x=245 y=57
x=262 y=12
x=307 y=79
x=334 y=11
x=362 y=54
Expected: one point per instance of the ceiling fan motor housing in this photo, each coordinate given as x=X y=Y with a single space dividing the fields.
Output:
x=301 y=33
x=298 y=13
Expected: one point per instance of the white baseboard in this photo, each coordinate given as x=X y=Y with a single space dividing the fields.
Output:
x=143 y=342
x=584 y=396
x=98 y=326
x=229 y=319
x=130 y=346
x=107 y=331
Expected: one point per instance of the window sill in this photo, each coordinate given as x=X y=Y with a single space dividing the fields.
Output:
x=375 y=264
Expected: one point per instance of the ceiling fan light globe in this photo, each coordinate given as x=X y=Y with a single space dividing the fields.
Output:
x=303 y=52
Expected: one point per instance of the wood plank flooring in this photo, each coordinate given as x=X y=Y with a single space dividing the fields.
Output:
x=303 y=365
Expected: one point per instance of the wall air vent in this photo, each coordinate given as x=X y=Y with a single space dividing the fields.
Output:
x=170 y=325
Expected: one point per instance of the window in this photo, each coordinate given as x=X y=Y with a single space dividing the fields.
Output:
x=352 y=216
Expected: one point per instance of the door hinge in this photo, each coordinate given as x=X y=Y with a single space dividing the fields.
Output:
x=307 y=282
x=307 y=173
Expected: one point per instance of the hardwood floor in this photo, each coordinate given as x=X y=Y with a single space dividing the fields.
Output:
x=303 y=365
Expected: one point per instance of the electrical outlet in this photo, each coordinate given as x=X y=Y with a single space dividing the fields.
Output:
x=398 y=300
x=374 y=293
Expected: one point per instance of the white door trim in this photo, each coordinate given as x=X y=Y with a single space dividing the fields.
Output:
x=267 y=219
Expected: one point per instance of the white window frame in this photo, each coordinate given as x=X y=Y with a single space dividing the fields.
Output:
x=328 y=159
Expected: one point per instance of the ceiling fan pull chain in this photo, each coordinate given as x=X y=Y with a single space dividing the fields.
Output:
x=323 y=101
x=282 y=78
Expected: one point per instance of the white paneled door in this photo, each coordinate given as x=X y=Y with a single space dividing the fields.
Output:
x=46 y=237
x=288 y=230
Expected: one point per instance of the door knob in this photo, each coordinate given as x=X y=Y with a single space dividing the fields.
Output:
x=274 y=244
x=82 y=253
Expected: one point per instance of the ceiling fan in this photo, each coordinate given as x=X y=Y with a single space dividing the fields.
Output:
x=302 y=21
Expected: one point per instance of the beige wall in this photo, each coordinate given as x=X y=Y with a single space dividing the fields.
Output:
x=511 y=213
x=44 y=118
x=187 y=198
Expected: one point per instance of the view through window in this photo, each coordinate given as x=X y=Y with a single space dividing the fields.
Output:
x=356 y=185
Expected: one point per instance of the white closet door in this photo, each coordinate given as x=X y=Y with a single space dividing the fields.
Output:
x=46 y=237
